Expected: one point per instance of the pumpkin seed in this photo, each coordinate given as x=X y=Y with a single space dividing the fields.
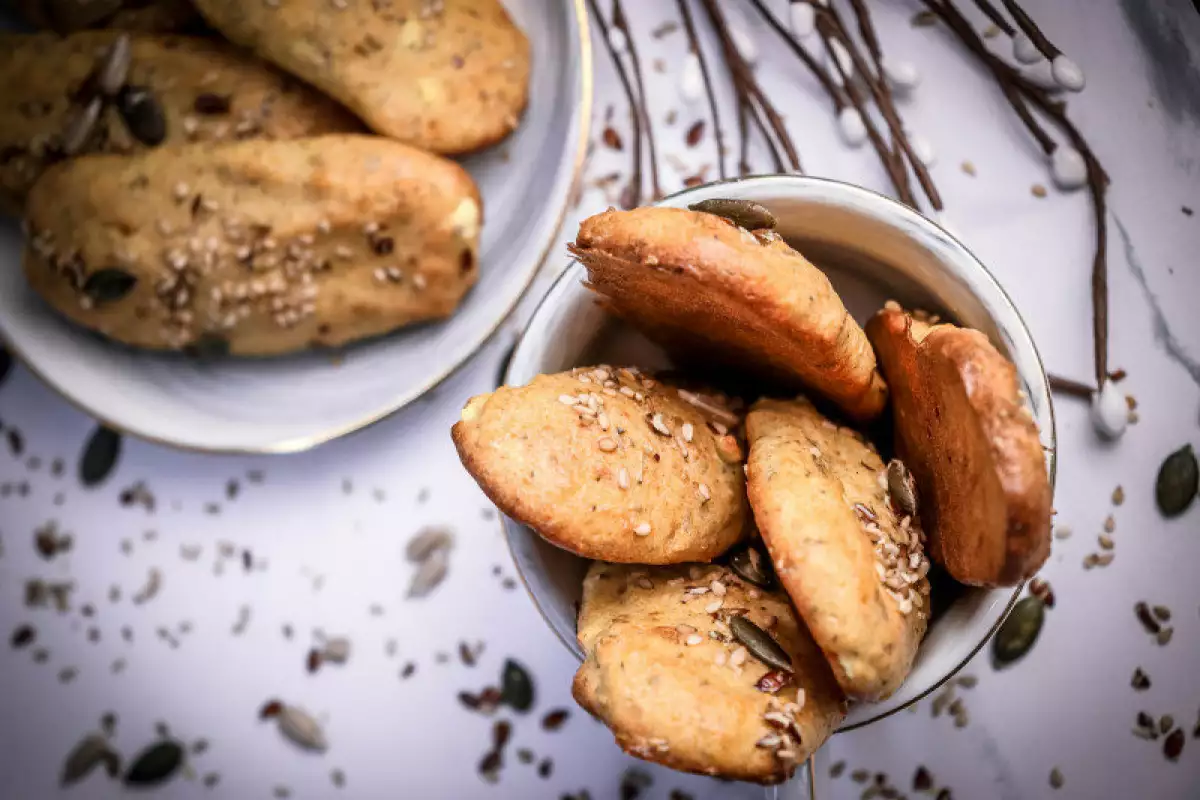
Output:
x=84 y=758
x=208 y=346
x=1178 y=480
x=1018 y=633
x=5 y=364
x=760 y=644
x=155 y=764
x=142 y=114
x=426 y=541
x=1173 y=746
x=901 y=487
x=80 y=127
x=743 y=213
x=99 y=456
x=430 y=574
x=752 y=566
x=516 y=687
x=301 y=728
x=109 y=284
x=114 y=68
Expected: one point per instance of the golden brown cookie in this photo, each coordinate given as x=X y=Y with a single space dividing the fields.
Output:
x=147 y=16
x=666 y=671
x=695 y=281
x=964 y=430
x=207 y=90
x=450 y=76
x=256 y=247
x=610 y=464
x=854 y=567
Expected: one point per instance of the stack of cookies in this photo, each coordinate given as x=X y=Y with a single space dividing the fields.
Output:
x=756 y=563
x=287 y=188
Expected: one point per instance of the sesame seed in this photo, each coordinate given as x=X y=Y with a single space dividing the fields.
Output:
x=602 y=419
x=642 y=529
x=567 y=399
x=693 y=640
x=687 y=431
x=606 y=445
x=181 y=191
x=623 y=478
x=815 y=452
x=738 y=657
x=705 y=494
x=659 y=426
x=698 y=590
x=714 y=606
x=718 y=588
x=419 y=281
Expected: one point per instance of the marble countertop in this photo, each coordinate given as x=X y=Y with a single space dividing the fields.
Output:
x=249 y=549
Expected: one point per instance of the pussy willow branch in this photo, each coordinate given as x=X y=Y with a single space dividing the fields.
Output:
x=621 y=23
x=631 y=195
x=1030 y=28
x=689 y=26
x=997 y=19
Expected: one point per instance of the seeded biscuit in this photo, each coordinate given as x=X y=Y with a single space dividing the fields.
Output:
x=254 y=248
x=449 y=76
x=207 y=90
x=609 y=464
x=973 y=447
x=666 y=673
x=696 y=282
x=853 y=565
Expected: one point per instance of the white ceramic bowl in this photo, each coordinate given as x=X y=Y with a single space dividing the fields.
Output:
x=295 y=402
x=873 y=249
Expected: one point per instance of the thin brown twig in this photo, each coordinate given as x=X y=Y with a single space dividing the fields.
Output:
x=1070 y=387
x=631 y=195
x=740 y=72
x=694 y=43
x=1030 y=28
x=993 y=13
x=621 y=23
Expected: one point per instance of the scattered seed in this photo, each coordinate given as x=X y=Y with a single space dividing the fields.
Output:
x=860 y=776
x=1140 y=680
x=901 y=487
x=156 y=764
x=1110 y=524
x=430 y=573
x=336 y=650
x=968 y=168
x=642 y=529
x=922 y=780
x=1142 y=610
x=1118 y=496
x=1165 y=723
x=425 y=541
x=773 y=681
x=1164 y=636
x=100 y=456
x=81 y=126
x=1062 y=532
x=612 y=139
x=1105 y=541
x=83 y=758
x=1173 y=746
x=516 y=687
x=142 y=114
x=301 y=728
x=760 y=644
x=1019 y=632
x=695 y=133
x=338 y=778
x=1056 y=778
x=23 y=635
x=555 y=719
x=751 y=566
x=1178 y=482
x=743 y=213
x=312 y=662
x=1038 y=190
x=1162 y=613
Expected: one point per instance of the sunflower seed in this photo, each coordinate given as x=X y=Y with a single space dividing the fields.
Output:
x=1140 y=681
x=22 y=636
x=99 y=456
x=1173 y=746
x=922 y=780
x=142 y=114
x=301 y=728
x=751 y=566
x=83 y=758
x=1178 y=481
x=336 y=650
x=1163 y=637
x=1056 y=778
x=1019 y=632
x=760 y=644
x=156 y=764
x=516 y=687
x=426 y=541
x=80 y=127
x=555 y=719
x=1142 y=610
x=109 y=284
x=430 y=574
x=901 y=487
x=1165 y=723
x=114 y=69
x=743 y=213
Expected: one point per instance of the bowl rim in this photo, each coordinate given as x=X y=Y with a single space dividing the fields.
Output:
x=586 y=86
x=917 y=218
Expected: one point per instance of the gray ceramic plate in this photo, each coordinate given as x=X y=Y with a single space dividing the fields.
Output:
x=293 y=403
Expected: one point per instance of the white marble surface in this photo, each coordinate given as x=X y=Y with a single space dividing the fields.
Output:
x=1068 y=704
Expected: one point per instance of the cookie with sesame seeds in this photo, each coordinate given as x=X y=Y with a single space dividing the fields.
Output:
x=609 y=464
x=696 y=282
x=206 y=90
x=450 y=76
x=667 y=671
x=147 y=16
x=257 y=247
x=965 y=431
x=851 y=560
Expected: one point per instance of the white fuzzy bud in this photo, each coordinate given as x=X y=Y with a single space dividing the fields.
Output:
x=617 y=40
x=1067 y=74
x=838 y=51
x=803 y=18
x=852 y=127
x=922 y=149
x=745 y=45
x=1068 y=168
x=1024 y=49
x=691 y=81
x=1110 y=414
x=1041 y=75
x=901 y=75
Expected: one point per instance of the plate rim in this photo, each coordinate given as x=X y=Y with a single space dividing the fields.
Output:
x=304 y=443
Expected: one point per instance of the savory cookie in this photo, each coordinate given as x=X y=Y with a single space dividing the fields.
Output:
x=609 y=464
x=256 y=247
x=963 y=428
x=449 y=76
x=666 y=671
x=853 y=564
x=207 y=91
x=148 y=16
x=695 y=281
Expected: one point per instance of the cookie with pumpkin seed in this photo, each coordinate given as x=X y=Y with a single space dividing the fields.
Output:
x=610 y=464
x=698 y=283
x=694 y=668
x=203 y=90
x=450 y=76
x=852 y=561
x=257 y=247
x=964 y=429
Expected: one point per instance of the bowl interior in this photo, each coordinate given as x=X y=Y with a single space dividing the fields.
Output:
x=872 y=249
